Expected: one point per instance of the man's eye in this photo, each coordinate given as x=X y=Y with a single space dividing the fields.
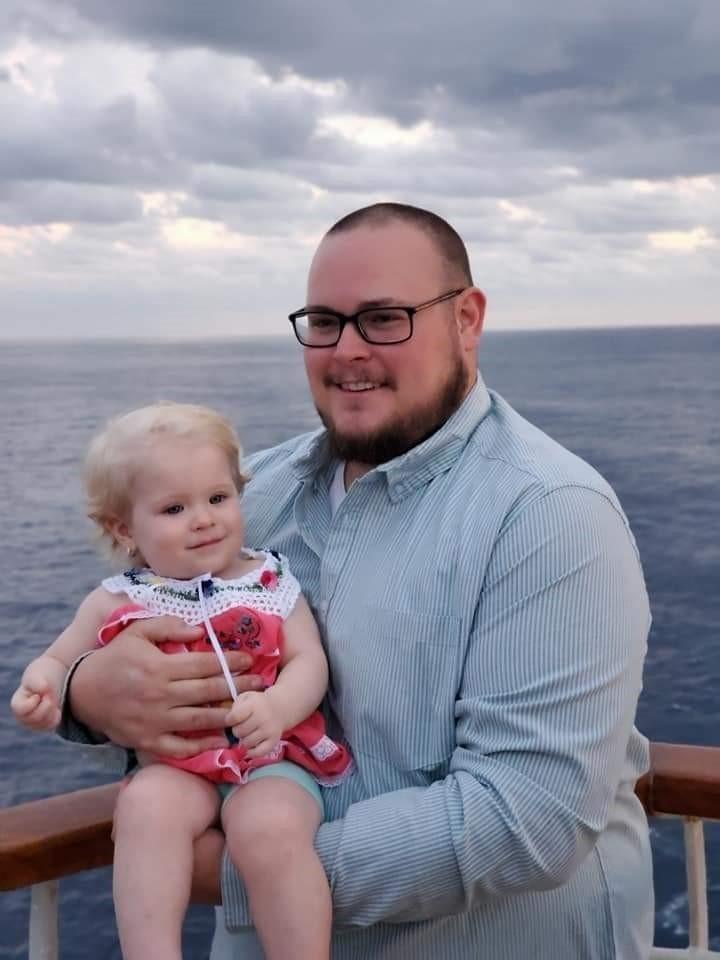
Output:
x=218 y=498
x=385 y=318
x=321 y=321
x=173 y=508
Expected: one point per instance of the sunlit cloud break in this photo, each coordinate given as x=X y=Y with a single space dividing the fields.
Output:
x=683 y=241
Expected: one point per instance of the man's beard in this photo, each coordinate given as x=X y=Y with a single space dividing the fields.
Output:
x=402 y=434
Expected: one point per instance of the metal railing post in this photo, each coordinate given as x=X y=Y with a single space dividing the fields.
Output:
x=696 y=871
x=43 y=937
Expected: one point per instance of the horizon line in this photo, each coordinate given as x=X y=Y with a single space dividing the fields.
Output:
x=229 y=337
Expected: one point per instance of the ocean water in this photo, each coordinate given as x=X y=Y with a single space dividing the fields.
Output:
x=643 y=406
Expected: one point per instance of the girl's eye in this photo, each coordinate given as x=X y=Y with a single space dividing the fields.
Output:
x=217 y=498
x=173 y=509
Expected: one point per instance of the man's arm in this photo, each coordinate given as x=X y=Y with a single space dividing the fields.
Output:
x=547 y=701
x=137 y=696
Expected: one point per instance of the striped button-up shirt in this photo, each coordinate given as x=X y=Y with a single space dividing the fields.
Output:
x=485 y=618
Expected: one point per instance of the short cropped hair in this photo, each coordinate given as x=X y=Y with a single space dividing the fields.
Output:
x=448 y=241
x=115 y=455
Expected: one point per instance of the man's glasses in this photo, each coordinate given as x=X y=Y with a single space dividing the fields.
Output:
x=377 y=325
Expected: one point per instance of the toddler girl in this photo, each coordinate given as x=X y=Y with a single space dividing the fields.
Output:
x=163 y=484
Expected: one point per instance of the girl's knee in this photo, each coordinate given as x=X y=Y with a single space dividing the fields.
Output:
x=163 y=795
x=139 y=796
x=271 y=820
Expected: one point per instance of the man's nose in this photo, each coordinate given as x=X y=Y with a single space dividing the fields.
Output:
x=351 y=345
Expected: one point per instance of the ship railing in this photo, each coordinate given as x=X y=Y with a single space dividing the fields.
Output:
x=684 y=783
x=45 y=840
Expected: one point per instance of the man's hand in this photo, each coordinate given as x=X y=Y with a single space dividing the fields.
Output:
x=140 y=697
x=256 y=720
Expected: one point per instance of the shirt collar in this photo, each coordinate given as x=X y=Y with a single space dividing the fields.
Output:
x=419 y=465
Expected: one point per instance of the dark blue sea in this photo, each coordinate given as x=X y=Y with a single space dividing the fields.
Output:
x=643 y=406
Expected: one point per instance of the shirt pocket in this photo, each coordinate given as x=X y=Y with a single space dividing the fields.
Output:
x=395 y=676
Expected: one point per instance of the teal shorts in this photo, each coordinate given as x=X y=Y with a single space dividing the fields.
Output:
x=283 y=768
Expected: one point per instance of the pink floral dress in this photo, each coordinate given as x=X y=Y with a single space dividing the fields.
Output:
x=246 y=614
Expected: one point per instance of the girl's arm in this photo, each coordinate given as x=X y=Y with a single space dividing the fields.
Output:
x=303 y=677
x=259 y=719
x=36 y=702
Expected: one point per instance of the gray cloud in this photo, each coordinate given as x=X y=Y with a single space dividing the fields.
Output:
x=567 y=67
x=72 y=142
x=30 y=202
x=236 y=126
x=196 y=151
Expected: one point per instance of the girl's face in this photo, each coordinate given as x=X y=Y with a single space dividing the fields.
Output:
x=185 y=518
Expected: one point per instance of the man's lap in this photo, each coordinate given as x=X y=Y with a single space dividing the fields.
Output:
x=240 y=945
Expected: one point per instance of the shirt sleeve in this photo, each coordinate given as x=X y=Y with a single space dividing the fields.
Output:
x=113 y=757
x=544 y=713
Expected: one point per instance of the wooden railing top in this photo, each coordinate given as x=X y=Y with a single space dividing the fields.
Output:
x=55 y=837
x=62 y=835
x=683 y=781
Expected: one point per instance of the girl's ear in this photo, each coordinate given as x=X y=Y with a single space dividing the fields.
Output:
x=120 y=532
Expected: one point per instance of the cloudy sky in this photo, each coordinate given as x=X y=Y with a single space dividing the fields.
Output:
x=167 y=166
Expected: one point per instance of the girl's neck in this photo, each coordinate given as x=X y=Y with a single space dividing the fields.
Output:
x=244 y=563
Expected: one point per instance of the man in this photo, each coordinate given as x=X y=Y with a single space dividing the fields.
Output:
x=485 y=620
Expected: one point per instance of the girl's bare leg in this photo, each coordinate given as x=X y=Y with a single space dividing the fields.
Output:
x=159 y=815
x=270 y=826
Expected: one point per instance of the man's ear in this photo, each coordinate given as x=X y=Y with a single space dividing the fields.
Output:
x=470 y=317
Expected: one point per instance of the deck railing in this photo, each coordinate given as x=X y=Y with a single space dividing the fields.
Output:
x=45 y=840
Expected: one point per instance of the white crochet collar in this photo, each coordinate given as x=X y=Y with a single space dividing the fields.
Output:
x=269 y=588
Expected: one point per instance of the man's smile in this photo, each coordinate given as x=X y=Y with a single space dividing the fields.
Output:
x=357 y=386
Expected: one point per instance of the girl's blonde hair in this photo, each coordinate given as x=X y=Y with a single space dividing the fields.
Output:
x=116 y=454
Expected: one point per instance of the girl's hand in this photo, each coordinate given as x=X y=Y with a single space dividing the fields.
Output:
x=36 y=706
x=36 y=702
x=257 y=722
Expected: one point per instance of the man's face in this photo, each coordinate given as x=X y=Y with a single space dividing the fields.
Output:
x=378 y=401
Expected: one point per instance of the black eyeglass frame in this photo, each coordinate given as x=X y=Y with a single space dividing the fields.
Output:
x=355 y=320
